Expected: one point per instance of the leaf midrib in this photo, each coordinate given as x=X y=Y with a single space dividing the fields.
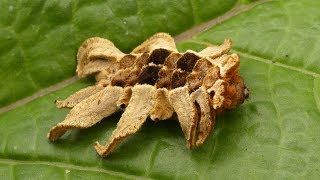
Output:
x=237 y=9
x=73 y=79
x=40 y=93
x=262 y=59
x=179 y=38
x=267 y=61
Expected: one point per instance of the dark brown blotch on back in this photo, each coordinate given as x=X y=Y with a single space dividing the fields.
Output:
x=179 y=78
x=127 y=61
x=133 y=77
x=142 y=60
x=211 y=76
x=158 y=56
x=171 y=60
x=187 y=61
x=164 y=78
x=120 y=78
x=202 y=66
x=149 y=74
x=194 y=80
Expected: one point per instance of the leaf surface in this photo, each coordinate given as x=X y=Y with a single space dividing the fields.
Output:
x=39 y=39
x=275 y=134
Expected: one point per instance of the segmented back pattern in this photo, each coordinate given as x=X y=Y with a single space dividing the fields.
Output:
x=153 y=80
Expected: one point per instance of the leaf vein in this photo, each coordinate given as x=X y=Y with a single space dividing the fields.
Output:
x=71 y=166
x=261 y=59
x=316 y=95
x=154 y=153
x=186 y=35
x=40 y=93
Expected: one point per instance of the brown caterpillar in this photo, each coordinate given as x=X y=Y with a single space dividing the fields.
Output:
x=153 y=80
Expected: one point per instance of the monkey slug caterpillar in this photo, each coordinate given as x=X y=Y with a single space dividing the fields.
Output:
x=156 y=81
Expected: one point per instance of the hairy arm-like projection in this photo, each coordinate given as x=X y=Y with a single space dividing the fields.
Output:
x=156 y=81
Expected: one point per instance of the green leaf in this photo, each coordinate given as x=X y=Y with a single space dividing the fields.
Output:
x=39 y=39
x=273 y=135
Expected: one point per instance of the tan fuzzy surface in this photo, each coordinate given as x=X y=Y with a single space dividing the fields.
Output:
x=132 y=119
x=159 y=40
x=77 y=97
x=207 y=115
x=187 y=113
x=125 y=97
x=96 y=48
x=162 y=108
x=89 y=111
x=216 y=51
x=156 y=81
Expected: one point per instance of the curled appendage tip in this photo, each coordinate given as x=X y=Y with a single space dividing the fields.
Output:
x=101 y=150
x=156 y=81
x=56 y=132
x=132 y=119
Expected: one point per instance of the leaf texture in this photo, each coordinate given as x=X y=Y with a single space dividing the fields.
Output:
x=39 y=39
x=274 y=135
